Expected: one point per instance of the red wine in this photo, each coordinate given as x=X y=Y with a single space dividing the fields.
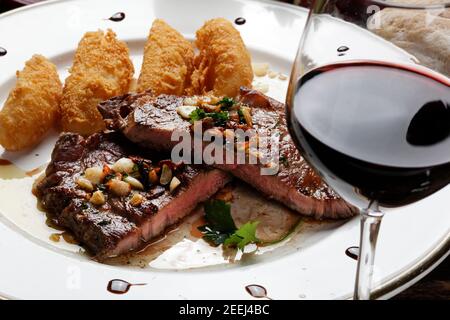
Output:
x=374 y=131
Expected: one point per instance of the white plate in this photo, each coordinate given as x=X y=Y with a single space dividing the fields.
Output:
x=309 y=265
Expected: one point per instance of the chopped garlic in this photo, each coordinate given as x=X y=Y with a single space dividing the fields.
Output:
x=94 y=174
x=135 y=183
x=98 y=198
x=85 y=184
x=190 y=101
x=153 y=176
x=260 y=69
x=136 y=199
x=247 y=115
x=123 y=165
x=166 y=175
x=185 y=111
x=118 y=187
x=174 y=183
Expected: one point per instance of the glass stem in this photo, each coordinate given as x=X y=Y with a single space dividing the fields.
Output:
x=370 y=225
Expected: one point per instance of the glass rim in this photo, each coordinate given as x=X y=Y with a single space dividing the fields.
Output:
x=398 y=5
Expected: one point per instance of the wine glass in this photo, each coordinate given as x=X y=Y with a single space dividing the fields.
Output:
x=368 y=112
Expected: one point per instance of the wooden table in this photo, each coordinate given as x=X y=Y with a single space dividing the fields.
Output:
x=434 y=286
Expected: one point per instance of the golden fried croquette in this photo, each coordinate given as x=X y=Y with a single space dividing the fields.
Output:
x=32 y=107
x=168 y=61
x=101 y=69
x=223 y=64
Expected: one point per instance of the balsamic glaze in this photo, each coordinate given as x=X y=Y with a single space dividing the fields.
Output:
x=341 y=54
x=117 y=17
x=3 y=52
x=240 y=21
x=257 y=291
x=352 y=252
x=342 y=49
x=118 y=286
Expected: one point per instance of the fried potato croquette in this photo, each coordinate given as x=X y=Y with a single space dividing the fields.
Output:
x=101 y=69
x=32 y=107
x=168 y=61
x=223 y=64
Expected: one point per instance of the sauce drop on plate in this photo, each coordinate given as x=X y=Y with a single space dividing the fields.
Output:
x=342 y=49
x=352 y=252
x=117 y=17
x=257 y=291
x=240 y=21
x=3 y=52
x=118 y=286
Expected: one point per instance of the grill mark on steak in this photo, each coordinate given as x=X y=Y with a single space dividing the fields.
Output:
x=116 y=227
x=150 y=122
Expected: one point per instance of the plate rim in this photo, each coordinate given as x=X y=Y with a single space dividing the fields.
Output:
x=386 y=290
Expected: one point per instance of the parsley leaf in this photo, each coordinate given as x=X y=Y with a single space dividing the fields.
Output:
x=226 y=103
x=213 y=236
x=245 y=235
x=221 y=229
x=197 y=115
x=220 y=118
x=218 y=216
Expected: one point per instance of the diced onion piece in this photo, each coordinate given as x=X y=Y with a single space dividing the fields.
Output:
x=119 y=188
x=247 y=115
x=85 y=184
x=136 y=199
x=94 y=174
x=123 y=165
x=153 y=177
x=185 y=111
x=166 y=175
x=282 y=77
x=135 y=183
x=260 y=69
x=174 y=183
x=98 y=198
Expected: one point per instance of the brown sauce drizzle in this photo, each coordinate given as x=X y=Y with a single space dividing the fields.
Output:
x=240 y=21
x=118 y=286
x=194 y=227
x=257 y=291
x=352 y=252
x=117 y=17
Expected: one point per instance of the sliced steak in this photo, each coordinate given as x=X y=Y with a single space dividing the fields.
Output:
x=117 y=226
x=150 y=122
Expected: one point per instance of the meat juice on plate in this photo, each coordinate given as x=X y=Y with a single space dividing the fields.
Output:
x=375 y=131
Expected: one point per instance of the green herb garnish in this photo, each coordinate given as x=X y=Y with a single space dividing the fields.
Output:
x=197 y=115
x=245 y=235
x=241 y=116
x=226 y=103
x=220 y=118
x=221 y=229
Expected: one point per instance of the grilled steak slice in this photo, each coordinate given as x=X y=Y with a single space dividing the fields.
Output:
x=150 y=121
x=116 y=226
